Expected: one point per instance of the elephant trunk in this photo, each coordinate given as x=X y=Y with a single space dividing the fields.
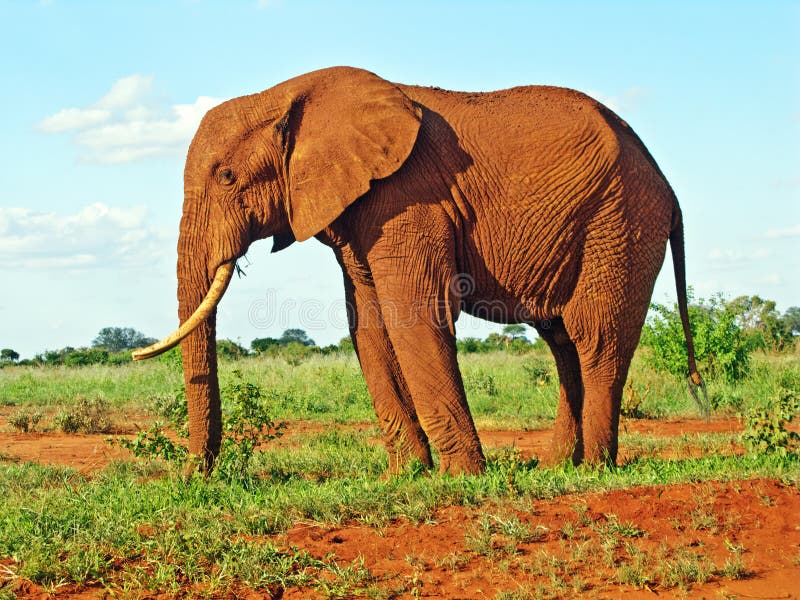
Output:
x=197 y=301
x=198 y=296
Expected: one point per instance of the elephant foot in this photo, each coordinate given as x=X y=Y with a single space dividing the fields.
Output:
x=563 y=451
x=403 y=454
x=600 y=456
x=463 y=464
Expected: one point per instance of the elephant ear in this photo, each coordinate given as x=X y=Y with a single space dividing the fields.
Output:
x=345 y=128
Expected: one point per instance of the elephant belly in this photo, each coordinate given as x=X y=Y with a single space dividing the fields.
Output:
x=514 y=279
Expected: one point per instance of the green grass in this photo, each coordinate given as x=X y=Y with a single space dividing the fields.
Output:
x=63 y=526
x=502 y=389
x=172 y=533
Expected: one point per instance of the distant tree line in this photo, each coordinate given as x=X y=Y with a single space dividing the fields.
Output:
x=725 y=333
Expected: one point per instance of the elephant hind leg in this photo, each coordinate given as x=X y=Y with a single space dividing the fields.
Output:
x=567 y=435
x=605 y=337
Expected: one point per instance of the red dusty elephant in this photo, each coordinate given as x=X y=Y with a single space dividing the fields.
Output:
x=531 y=205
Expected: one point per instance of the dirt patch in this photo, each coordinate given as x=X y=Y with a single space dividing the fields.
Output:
x=580 y=548
x=84 y=452
x=634 y=543
x=696 y=540
x=536 y=443
x=89 y=452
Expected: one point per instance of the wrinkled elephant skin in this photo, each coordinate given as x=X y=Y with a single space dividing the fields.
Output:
x=530 y=205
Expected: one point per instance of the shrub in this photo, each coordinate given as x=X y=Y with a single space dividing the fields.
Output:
x=720 y=347
x=173 y=358
x=85 y=356
x=88 y=415
x=632 y=401
x=765 y=429
x=538 y=370
x=246 y=427
x=174 y=409
x=119 y=358
x=24 y=420
x=471 y=345
x=154 y=443
x=346 y=345
x=231 y=350
x=480 y=381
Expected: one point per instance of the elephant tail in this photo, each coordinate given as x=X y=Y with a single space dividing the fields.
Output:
x=679 y=264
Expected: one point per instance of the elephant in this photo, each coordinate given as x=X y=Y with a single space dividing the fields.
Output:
x=535 y=205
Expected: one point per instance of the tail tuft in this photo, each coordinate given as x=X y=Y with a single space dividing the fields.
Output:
x=696 y=383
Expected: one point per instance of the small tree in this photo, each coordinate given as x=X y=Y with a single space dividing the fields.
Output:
x=116 y=339
x=262 y=345
x=720 y=346
x=791 y=320
x=7 y=355
x=760 y=323
x=515 y=331
x=296 y=335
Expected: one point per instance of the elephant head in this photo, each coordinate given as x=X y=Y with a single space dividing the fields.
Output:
x=285 y=163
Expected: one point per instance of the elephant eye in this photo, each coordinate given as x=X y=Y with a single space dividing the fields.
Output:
x=225 y=176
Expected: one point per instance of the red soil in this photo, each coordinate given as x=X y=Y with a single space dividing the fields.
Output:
x=759 y=519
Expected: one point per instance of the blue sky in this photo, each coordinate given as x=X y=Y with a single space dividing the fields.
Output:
x=100 y=100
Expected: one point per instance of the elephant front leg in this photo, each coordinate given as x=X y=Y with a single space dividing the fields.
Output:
x=427 y=356
x=413 y=274
x=405 y=440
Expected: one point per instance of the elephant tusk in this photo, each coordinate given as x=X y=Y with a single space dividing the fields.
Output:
x=221 y=280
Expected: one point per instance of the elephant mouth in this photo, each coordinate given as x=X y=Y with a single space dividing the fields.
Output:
x=215 y=292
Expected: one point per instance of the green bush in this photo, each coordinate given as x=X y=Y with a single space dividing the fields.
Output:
x=88 y=415
x=85 y=356
x=537 y=370
x=231 y=350
x=24 y=420
x=765 y=428
x=721 y=349
x=154 y=443
x=247 y=426
x=470 y=345
x=119 y=358
x=173 y=358
x=480 y=381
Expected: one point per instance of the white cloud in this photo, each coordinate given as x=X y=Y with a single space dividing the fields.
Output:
x=139 y=134
x=625 y=102
x=125 y=125
x=98 y=235
x=127 y=92
x=785 y=232
x=69 y=119
x=726 y=258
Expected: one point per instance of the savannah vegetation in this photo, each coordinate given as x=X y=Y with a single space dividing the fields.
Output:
x=300 y=447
